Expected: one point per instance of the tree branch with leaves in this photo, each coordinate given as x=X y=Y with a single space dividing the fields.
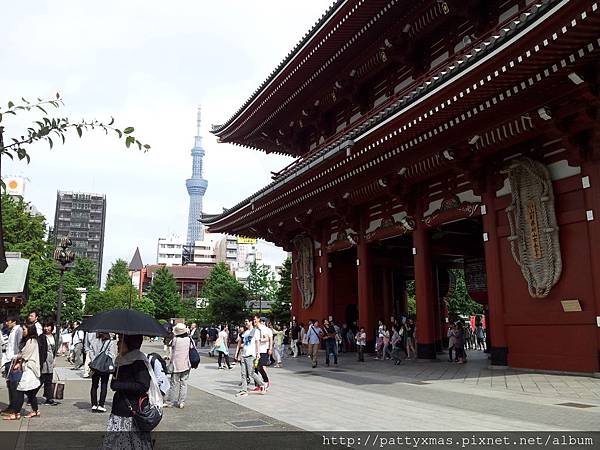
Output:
x=45 y=128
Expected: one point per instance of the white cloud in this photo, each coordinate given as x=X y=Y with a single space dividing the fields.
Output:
x=149 y=64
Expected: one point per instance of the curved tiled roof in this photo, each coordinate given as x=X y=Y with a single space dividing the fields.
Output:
x=216 y=129
x=415 y=92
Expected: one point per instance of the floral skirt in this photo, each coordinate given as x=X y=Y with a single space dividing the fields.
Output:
x=123 y=434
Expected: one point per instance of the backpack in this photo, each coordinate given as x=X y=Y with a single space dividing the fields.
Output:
x=43 y=349
x=152 y=357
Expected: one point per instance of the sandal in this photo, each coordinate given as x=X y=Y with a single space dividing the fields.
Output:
x=33 y=414
x=12 y=417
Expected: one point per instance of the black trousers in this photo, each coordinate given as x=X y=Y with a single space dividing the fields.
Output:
x=262 y=362
x=226 y=356
x=9 y=388
x=46 y=379
x=102 y=378
x=31 y=398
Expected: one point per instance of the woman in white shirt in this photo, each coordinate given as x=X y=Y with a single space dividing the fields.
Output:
x=222 y=347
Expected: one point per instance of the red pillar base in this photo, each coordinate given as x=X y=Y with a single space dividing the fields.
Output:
x=426 y=351
x=499 y=356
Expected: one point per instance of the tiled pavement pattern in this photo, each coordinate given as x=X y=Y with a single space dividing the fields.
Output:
x=417 y=395
x=375 y=395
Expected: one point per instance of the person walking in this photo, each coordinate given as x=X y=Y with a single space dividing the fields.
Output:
x=222 y=347
x=265 y=349
x=130 y=383
x=203 y=336
x=409 y=338
x=180 y=361
x=78 y=337
x=480 y=334
x=396 y=343
x=248 y=354
x=100 y=377
x=459 y=342
x=278 y=335
x=330 y=339
x=90 y=347
x=314 y=335
x=451 y=342
x=361 y=343
x=303 y=344
x=28 y=363
x=194 y=334
x=386 y=352
x=47 y=369
x=295 y=341
x=8 y=357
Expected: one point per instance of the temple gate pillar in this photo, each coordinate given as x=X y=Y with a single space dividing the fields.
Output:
x=366 y=307
x=496 y=330
x=326 y=296
x=592 y=203
x=386 y=292
x=425 y=291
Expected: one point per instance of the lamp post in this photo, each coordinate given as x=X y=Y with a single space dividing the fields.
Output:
x=64 y=256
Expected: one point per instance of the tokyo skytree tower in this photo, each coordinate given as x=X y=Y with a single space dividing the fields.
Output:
x=196 y=187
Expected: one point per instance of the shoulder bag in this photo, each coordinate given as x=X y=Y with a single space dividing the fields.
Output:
x=103 y=362
x=194 y=355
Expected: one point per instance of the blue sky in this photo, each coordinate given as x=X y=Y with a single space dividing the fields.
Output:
x=148 y=64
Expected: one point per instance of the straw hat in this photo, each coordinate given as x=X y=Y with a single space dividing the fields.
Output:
x=179 y=329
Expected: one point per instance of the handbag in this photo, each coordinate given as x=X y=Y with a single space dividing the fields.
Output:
x=14 y=375
x=194 y=355
x=146 y=416
x=102 y=362
x=59 y=390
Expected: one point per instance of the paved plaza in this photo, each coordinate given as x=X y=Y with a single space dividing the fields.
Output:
x=352 y=396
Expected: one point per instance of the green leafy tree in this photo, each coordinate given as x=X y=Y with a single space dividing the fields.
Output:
x=226 y=296
x=261 y=284
x=118 y=275
x=23 y=232
x=280 y=308
x=84 y=271
x=26 y=233
x=117 y=297
x=190 y=313
x=165 y=295
x=459 y=303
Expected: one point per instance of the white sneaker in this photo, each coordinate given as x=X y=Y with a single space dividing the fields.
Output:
x=94 y=408
x=242 y=394
x=181 y=406
x=101 y=409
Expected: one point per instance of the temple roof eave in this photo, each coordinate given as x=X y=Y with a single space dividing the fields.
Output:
x=427 y=88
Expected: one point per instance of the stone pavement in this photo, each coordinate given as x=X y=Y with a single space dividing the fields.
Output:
x=203 y=411
x=375 y=395
x=417 y=395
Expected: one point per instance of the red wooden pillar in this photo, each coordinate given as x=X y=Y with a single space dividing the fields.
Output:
x=386 y=293
x=325 y=276
x=366 y=308
x=426 y=335
x=496 y=330
x=592 y=203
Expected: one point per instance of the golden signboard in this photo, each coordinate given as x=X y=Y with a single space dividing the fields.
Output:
x=571 y=305
x=534 y=231
x=246 y=240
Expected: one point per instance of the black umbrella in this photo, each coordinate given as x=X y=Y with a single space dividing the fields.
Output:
x=123 y=321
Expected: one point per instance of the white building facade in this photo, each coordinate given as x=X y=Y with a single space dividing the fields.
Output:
x=169 y=251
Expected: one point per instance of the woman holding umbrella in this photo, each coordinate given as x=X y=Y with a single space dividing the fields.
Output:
x=136 y=388
x=130 y=383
